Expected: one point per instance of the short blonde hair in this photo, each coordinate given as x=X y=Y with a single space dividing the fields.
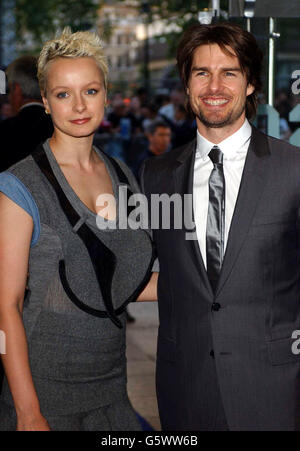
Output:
x=71 y=45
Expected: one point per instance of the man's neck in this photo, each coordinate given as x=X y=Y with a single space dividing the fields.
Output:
x=153 y=150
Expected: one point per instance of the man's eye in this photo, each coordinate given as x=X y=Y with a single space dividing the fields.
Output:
x=202 y=73
x=92 y=91
x=62 y=95
x=230 y=74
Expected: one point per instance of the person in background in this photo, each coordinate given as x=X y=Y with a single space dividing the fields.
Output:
x=159 y=138
x=177 y=97
x=30 y=124
x=150 y=114
x=156 y=141
x=5 y=108
x=183 y=126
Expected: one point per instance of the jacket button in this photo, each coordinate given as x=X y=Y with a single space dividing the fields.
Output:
x=212 y=353
x=215 y=306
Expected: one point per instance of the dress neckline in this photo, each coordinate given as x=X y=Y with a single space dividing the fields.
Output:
x=82 y=209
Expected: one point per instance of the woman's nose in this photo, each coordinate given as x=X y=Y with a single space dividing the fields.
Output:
x=79 y=104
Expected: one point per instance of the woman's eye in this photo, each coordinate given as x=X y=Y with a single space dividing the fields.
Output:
x=92 y=91
x=62 y=95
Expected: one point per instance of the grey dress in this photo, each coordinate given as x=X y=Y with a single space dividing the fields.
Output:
x=77 y=360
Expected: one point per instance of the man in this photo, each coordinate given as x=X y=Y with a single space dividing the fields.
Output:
x=229 y=300
x=159 y=137
x=21 y=134
x=157 y=141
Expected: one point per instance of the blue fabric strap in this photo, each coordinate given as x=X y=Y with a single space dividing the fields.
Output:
x=13 y=188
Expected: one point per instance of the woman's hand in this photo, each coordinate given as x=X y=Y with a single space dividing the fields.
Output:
x=150 y=291
x=32 y=423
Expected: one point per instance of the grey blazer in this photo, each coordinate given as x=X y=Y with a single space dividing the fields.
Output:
x=235 y=348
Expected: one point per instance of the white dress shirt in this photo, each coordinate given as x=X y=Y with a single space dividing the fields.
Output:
x=235 y=149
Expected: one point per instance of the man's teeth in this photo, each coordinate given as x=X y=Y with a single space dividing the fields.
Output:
x=216 y=101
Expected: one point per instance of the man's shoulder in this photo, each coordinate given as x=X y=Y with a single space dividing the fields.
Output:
x=278 y=145
x=277 y=148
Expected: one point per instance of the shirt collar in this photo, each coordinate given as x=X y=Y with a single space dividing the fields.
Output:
x=229 y=146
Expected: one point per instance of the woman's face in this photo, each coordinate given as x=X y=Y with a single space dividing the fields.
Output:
x=75 y=96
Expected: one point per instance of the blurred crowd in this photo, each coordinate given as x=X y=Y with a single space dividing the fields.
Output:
x=137 y=128
x=134 y=128
x=285 y=102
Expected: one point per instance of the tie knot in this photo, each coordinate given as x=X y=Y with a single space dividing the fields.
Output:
x=216 y=155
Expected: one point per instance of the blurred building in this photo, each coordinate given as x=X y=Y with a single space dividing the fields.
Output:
x=125 y=28
x=118 y=25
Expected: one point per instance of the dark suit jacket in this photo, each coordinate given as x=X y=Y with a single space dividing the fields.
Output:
x=252 y=369
x=21 y=134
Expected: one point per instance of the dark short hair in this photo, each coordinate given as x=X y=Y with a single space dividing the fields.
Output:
x=23 y=71
x=225 y=34
x=154 y=125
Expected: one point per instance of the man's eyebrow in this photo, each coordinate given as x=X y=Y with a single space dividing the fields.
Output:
x=232 y=69
x=224 y=69
x=199 y=69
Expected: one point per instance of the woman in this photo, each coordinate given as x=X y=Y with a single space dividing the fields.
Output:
x=65 y=343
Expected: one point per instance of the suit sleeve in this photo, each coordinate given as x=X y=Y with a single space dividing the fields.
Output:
x=142 y=172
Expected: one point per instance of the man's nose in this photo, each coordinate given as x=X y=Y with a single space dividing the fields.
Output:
x=215 y=83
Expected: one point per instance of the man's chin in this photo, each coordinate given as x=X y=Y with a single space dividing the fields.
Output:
x=216 y=123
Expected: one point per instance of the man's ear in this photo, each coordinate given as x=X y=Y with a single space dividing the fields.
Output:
x=250 y=90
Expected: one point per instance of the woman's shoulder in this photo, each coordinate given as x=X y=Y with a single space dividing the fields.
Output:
x=25 y=170
x=15 y=190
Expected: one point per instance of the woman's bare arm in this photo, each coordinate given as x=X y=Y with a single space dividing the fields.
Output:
x=16 y=228
x=150 y=291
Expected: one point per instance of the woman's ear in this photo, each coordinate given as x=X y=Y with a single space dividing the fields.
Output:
x=46 y=105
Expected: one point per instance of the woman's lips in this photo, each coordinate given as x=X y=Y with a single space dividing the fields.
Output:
x=81 y=121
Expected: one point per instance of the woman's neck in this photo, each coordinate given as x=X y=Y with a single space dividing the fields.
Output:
x=71 y=151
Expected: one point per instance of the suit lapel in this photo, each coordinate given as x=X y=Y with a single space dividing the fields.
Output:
x=253 y=181
x=184 y=181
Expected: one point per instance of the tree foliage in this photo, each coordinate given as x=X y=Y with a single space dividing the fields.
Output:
x=176 y=12
x=42 y=18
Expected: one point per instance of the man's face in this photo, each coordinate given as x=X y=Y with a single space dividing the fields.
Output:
x=217 y=88
x=160 y=140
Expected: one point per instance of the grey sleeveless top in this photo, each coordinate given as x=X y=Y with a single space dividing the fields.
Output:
x=77 y=360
